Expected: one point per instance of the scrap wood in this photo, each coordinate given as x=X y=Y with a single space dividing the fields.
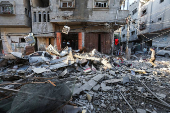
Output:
x=127 y=102
x=11 y=90
x=51 y=83
x=138 y=71
x=24 y=83
x=87 y=57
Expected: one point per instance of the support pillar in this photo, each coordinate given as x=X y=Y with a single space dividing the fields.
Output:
x=113 y=41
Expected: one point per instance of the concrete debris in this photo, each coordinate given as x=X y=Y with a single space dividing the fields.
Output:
x=17 y=54
x=50 y=49
x=63 y=73
x=40 y=70
x=97 y=83
x=64 y=52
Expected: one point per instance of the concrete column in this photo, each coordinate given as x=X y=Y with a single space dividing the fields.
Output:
x=113 y=41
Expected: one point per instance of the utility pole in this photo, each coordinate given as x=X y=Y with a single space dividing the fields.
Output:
x=127 y=38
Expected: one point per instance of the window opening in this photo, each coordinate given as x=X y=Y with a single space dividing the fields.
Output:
x=39 y=16
x=35 y=17
x=44 y=16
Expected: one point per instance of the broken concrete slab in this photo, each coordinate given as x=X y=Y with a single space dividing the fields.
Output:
x=17 y=54
x=104 y=87
x=113 y=81
x=40 y=70
x=96 y=88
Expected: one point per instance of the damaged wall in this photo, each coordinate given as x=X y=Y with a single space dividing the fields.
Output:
x=18 y=17
x=45 y=42
x=85 y=10
x=11 y=38
x=156 y=16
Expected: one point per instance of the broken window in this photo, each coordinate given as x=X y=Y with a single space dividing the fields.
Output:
x=44 y=16
x=29 y=13
x=103 y=4
x=133 y=32
x=22 y=40
x=48 y=17
x=161 y=1
x=39 y=13
x=159 y=19
x=35 y=17
x=67 y=4
x=144 y=12
x=41 y=3
x=142 y=26
x=26 y=13
x=6 y=7
x=134 y=11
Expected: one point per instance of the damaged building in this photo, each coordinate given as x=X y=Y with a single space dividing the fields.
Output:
x=92 y=23
x=133 y=36
x=153 y=23
x=15 y=23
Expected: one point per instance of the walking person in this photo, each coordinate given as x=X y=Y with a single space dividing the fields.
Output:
x=153 y=57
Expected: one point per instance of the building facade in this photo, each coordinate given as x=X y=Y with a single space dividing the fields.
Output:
x=15 y=24
x=133 y=31
x=154 y=23
x=92 y=23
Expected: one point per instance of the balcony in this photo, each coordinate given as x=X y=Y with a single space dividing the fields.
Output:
x=67 y=4
x=6 y=8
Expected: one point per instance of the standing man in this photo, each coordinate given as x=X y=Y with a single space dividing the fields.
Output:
x=153 y=55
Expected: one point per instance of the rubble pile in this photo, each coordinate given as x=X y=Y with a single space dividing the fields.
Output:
x=94 y=82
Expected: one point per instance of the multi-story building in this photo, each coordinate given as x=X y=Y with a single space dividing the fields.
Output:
x=92 y=23
x=154 y=23
x=133 y=31
x=15 y=23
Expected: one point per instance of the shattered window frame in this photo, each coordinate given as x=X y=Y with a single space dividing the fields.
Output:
x=6 y=9
x=144 y=12
x=134 y=11
x=159 y=19
x=101 y=4
x=22 y=40
x=161 y=1
x=67 y=4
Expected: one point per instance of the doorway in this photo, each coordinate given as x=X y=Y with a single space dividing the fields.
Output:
x=99 y=42
x=70 y=40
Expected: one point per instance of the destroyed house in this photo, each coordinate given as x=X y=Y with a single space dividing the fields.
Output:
x=153 y=23
x=15 y=24
x=90 y=23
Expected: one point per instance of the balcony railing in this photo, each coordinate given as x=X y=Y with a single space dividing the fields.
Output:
x=7 y=12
